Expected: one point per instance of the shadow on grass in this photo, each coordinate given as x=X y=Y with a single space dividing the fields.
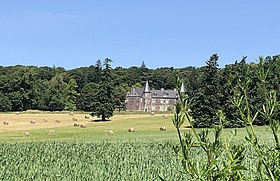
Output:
x=100 y=120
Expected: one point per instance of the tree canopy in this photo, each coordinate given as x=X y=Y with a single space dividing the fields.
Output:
x=101 y=89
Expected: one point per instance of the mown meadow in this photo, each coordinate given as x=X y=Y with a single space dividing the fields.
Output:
x=74 y=153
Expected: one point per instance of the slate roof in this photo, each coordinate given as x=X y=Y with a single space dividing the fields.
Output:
x=135 y=92
x=164 y=94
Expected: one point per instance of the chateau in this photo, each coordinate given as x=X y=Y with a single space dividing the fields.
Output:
x=145 y=99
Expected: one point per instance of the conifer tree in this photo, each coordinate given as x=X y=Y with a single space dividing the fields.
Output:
x=207 y=98
x=104 y=105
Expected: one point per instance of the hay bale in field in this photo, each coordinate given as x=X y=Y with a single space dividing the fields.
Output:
x=162 y=128
x=74 y=119
x=71 y=114
x=76 y=124
x=110 y=133
x=131 y=130
x=87 y=117
x=26 y=134
x=57 y=121
x=51 y=132
x=45 y=120
x=165 y=116
x=17 y=113
x=83 y=126
x=6 y=123
x=32 y=122
x=152 y=113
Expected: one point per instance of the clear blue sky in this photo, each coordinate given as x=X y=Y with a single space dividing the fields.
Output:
x=172 y=33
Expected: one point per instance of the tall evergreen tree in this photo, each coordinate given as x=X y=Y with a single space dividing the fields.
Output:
x=104 y=103
x=207 y=99
x=70 y=101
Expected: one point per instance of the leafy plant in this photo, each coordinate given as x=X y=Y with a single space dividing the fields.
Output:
x=221 y=158
x=218 y=159
x=268 y=159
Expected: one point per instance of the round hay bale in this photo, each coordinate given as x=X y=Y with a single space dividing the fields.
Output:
x=74 y=119
x=152 y=113
x=131 y=130
x=110 y=133
x=26 y=134
x=17 y=113
x=6 y=123
x=87 y=117
x=45 y=120
x=165 y=116
x=71 y=114
x=76 y=124
x=83 y=126
x=162 y=128
x=32 y=122
x=51 y=132
x=57 y=121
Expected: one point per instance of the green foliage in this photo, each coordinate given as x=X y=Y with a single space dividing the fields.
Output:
x=103 y=104
x=120 y=97
x=208 y=96
x=5 y=103
x=87 y=161
x=70 y=102
x=87 y=97
x=30 y=87
x=268 y=167
x=223 y=159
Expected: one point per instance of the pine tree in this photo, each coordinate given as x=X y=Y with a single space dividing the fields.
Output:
x=207 y=98
x=70 y=102
x=104 y=105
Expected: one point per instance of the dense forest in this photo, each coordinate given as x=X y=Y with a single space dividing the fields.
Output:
x=55 y=89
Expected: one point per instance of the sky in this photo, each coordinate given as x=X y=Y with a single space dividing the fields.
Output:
x=160 y=33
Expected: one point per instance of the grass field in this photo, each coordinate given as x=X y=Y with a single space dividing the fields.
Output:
x=145 y=125
x=75 y=153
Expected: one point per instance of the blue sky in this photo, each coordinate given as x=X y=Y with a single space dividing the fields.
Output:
x=162 y=33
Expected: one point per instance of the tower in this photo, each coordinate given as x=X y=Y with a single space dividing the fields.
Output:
x=182 y=89
x=147 y=97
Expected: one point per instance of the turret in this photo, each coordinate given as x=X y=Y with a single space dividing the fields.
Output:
x=182 y=89
x=147 y=87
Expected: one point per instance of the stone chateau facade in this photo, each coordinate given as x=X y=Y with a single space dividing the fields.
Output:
x=147 y=100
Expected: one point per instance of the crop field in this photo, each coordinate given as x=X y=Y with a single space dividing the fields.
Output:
x=75 y=153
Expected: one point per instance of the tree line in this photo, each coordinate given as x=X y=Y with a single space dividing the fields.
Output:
x=87 y=88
